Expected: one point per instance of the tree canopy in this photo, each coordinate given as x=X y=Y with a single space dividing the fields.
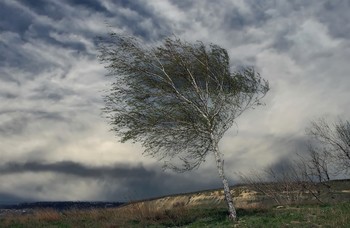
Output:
x=176 y=98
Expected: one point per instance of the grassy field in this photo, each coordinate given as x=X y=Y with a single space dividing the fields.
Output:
x=200 y=209
x=329 y=215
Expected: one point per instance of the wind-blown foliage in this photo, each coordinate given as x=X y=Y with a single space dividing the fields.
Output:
x=177 y=99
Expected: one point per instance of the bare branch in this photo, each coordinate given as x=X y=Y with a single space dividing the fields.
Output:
x=335 y=139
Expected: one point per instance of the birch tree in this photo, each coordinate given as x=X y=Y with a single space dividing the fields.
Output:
x=177 y=99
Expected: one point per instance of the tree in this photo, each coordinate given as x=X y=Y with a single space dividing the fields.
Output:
x=318 y=164
x=177 y=99
x=335 y=140
x=316 y=168
x=293 y=181
x=283 y=182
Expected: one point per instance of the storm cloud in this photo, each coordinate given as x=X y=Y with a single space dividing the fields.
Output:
x=120 y=182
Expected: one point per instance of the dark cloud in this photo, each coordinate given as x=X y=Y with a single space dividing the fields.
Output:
x=19 y=120
x=335 y=14
x=76 y=169
x=8 y=95
x=33 y=29
x=7 y=198
x=258 y=16
x=14 y=22
x=281 y=43
x=183 y=4
x=10 y=54
x=332 y=14
x=13 y=127
x=38 y=26
x=90 y=4
x=144 y=22
x=51 y=92
x=34 y=4
x=15 y=54
x=121 y=181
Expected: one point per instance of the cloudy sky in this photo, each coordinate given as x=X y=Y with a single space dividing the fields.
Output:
x=54 y=144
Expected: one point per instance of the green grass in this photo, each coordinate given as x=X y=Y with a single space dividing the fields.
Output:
x=303 y=216
x=330 y=215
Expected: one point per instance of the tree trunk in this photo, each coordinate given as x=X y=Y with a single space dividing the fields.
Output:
x=228 y=196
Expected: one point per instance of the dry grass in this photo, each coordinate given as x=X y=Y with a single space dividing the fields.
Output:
x=180 y=212
x=140 y=214
x=146 y=215
x=48 y=215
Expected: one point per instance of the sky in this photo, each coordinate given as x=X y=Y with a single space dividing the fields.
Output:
x=54 y=143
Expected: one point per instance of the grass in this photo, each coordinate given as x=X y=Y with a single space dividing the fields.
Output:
x=143 y=215
x=303 y=216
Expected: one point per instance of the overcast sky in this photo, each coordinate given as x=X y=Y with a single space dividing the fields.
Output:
x=54 y=144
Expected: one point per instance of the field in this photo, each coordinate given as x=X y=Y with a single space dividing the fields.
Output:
x=201 y=209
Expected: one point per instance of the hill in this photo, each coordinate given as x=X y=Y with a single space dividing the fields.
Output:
x=201 y=209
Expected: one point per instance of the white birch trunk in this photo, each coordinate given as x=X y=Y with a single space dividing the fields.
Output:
x=228 y=196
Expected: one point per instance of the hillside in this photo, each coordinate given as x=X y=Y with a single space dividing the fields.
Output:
x=200 y=209
x=244 y=197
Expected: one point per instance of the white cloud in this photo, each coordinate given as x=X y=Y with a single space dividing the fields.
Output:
x=311 y=40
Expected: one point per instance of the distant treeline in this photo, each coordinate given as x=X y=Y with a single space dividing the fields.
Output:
x=65 y=205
